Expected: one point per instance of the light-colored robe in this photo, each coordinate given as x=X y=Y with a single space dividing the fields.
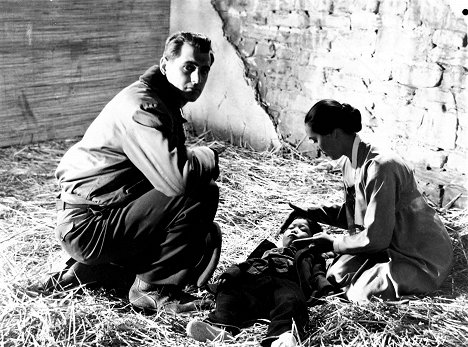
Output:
x=396 y=244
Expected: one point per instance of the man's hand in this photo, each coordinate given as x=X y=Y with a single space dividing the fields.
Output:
x=323 y=242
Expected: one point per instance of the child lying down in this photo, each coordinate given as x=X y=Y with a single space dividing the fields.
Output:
x=273 y=283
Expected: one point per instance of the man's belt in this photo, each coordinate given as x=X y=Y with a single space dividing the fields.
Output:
x=62 y=205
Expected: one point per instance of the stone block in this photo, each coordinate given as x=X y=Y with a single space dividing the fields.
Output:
x=243 y=5
x=461 y=98
x=404 y=45
x=318 y=6
x=283 y=52
x=391 y=21
x=425 y=157
x=313 y=87
x=301 y=103
x=456 y=194
x=396 y=93
x=462 y=132
x=355 y=44
x=393 y=7
x=365 y=20
x=374 y=69
x=438 y=14
x=387 y=39
x=263 y=5
x=419 y=74
x=449 y=38
x=438 y=128
x=247 y=47
x=292 y=19
x=282 y=67
x=232 y=28
x=347 y=80
x=328 y=61
x=399 y=120
x=339 y=22
x=303 y=57
x=291 y=126
x=275 y=99
x=454 y=78
x=255 y=32
x=425 y=96
x=458 y=161
x=311 y=73
x=317 y=40
x=449 y=56
x=265 y=49
x=367 y=5
x=411 y=17
x=320 y=91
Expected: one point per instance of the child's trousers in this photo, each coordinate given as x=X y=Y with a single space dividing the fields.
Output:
x=247 y=298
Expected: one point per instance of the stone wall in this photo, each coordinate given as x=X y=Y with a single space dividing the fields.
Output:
x=402 y=63
x=228 y=106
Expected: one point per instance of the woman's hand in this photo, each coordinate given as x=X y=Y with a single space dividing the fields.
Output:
x=323 y=242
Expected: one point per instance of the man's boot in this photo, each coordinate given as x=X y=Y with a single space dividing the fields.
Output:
x=76 y=274
x=151 y=298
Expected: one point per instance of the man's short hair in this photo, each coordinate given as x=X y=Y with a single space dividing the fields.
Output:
x=175 y=42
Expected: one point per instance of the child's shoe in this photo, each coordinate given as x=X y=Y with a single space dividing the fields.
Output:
x=203 y=331
x=286 y=339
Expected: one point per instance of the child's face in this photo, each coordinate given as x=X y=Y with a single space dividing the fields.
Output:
x=298 y=229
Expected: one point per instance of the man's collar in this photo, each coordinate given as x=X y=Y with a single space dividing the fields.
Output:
x=154 y=78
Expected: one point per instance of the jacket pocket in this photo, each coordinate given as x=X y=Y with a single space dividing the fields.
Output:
x=61 y=230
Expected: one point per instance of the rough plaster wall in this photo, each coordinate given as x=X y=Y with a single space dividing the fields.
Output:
x=403 y=63
x=228 y=105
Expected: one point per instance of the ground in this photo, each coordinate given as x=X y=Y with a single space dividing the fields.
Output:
x=255 y=190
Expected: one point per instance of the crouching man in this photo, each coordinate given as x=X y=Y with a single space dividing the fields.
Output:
x=134 y=199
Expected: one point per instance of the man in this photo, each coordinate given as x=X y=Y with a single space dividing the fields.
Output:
x=133 y=197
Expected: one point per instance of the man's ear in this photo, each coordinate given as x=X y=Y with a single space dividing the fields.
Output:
x=162 y=65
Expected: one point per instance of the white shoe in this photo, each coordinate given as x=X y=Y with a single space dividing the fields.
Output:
x=286 y=339
x=202 y=331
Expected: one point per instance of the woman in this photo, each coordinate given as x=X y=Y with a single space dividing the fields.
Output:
x=396 y=244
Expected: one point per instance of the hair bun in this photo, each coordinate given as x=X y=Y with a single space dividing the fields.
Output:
x=353 y=117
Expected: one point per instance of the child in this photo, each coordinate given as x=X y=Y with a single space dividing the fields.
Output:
x=273 y=283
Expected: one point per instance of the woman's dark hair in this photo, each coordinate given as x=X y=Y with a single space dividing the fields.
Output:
x=327 y=115
x=175 y=42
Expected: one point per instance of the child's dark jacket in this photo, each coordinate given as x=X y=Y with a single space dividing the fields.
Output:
x=304 y=266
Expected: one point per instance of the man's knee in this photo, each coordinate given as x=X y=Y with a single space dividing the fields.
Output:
x=209 y=198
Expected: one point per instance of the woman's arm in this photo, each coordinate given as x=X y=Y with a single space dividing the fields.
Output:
x=375 y=209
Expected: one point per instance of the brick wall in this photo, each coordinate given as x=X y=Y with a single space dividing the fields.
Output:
x=403 y=63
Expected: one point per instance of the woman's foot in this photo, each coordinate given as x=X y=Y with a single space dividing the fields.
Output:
x=203 y=331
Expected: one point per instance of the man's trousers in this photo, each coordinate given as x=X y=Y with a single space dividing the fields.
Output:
x=164 y=240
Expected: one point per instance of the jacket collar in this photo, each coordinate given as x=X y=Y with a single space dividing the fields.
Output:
x=158 y=83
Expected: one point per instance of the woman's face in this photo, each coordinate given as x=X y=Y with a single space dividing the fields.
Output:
x=328 y=144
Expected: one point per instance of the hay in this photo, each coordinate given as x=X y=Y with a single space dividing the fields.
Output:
x=255 y=190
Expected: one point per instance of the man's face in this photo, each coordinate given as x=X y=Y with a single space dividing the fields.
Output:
x=298 y=229
x=188 y=72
